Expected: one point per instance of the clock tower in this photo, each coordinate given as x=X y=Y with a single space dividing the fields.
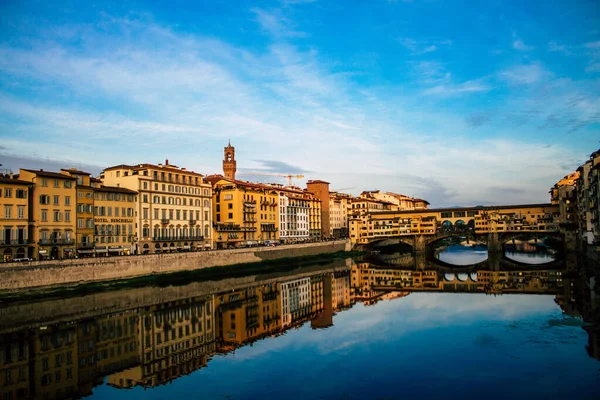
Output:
x=229 y=165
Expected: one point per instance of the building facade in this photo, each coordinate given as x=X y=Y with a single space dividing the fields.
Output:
x=339 y=207
x=15 y=241
x=174 y=210
x=294 y=216
x=320 y=189
x=244 y=213
x=52 y=213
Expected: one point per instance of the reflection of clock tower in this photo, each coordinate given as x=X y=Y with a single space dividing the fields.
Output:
x=229 y=165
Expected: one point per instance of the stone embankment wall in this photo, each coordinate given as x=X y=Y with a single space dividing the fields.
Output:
x=14 y=277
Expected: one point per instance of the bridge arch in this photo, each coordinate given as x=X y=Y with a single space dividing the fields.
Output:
x=471 y=224
x=462 y=276
x=447 y=225
x=449 y=276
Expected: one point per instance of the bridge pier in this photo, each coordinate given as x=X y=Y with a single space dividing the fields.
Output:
x=493 y=243
x=419 y=244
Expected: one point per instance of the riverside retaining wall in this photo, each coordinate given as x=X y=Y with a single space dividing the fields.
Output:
x=39 y=274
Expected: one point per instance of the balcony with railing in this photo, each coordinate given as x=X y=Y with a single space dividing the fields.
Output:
x=15 y=242
x=177 y=237
x=227 y=227
x=56 y=241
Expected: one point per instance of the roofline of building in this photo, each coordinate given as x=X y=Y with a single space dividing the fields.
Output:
x=50 y=174
x=475 y=208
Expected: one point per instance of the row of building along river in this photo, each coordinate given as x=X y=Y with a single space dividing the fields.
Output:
x=459 y=324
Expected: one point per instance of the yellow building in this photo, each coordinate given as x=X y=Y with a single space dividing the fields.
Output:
x=314 y=216
x=52 y=212
x=244 y=213
x=15 y=240
x=174 y=211
x=84 y=210
x=114 y=220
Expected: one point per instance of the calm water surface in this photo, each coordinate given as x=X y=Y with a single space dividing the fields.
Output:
x=351 y=330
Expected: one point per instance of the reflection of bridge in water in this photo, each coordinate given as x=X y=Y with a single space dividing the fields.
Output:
x=497 y=274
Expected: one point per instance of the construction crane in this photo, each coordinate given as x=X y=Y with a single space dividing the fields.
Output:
x=289 y=177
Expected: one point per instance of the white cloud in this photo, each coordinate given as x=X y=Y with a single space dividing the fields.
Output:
x=276 y=24
x=525 y=74
x=518 y=44
x=594 y=67
x=459 y=88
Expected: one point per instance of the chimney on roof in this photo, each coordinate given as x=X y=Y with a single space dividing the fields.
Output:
x=41 y=170
x=167 y=161
x=10 y=175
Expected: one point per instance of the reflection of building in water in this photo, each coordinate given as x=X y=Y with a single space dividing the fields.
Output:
x=542 y=281
x=15 y=371
x=368 y=283
x=155 y=344
x=295 y=301
x=174 y=339
x=107 y=344
x=54 y=362
x=247 y=314
x=336 y=296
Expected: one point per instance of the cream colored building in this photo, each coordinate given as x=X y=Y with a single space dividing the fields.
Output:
x=340 y=205
x=174 y=210
x=400 y=202
x=53 y=213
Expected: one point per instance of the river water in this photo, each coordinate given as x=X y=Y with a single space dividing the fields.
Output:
x=396 y=326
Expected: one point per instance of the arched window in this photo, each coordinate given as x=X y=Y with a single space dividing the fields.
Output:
x=171 y=200
x=206 y=234
x=178 y=201
x=184 y=201
x=205 y=203
x=156 y=199
x=197 y=203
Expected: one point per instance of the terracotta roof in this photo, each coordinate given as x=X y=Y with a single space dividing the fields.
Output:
x=114 y=189
x=167 y=167
x=95 y=180
x=75 y=171
x=317 y=181
x=14 y=181
x=475 y=208
x=49 y=174
x=84 y=187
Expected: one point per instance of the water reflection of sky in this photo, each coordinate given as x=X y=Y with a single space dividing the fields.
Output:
x=530 y=258
x=457 y=254
x=425 y=345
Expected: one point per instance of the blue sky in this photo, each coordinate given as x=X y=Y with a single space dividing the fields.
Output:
x=458 y=102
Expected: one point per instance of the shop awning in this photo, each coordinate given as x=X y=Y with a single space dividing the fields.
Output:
x=43 y=251
x=69 y=249
x=207 y=245
x=86 y=251
x=186 y=247
x=101 y=250
x=115 y=249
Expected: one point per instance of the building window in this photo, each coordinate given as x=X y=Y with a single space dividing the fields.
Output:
x=7 y=211
x=56 y=216
x=44 y=182
x=230 y=215
x=21 y=212
x=56 y=200
x=44 y=199
x=67 y=200
x=44 y=215
x=56 y=183
x=67 y=216
x=7 y=192
x=68 y=185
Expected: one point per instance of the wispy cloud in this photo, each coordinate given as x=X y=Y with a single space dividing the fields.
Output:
x=276 y=24
x=518 y=43
x=525 y=74
x=418 y=47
